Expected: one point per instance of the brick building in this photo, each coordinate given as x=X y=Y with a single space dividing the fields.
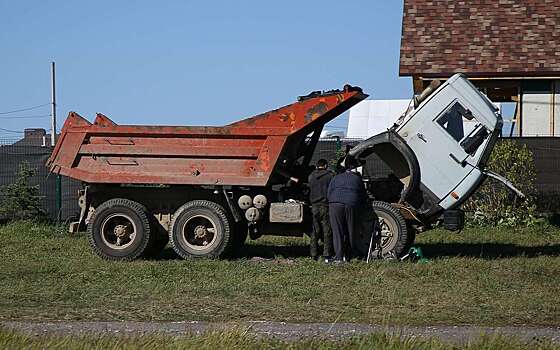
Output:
x=510 y=49
x=34 y=137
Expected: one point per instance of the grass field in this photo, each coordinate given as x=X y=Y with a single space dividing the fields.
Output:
x=237 y=340
x=481 y=276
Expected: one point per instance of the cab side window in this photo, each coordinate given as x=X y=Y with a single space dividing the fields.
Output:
x=457 y=121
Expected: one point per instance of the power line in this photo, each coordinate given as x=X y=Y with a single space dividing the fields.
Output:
x=13 y=131
x=26 y=116
x=16 y=131
x=25 y=109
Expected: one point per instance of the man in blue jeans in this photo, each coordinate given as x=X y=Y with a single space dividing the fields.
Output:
x=346 y=195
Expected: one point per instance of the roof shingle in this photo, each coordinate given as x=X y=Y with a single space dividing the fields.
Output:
x=481 y=37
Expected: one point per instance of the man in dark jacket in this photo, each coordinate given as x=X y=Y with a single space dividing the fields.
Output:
x=319 y=181
x=346 y=196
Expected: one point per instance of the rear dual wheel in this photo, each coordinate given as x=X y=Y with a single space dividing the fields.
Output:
x=122 y=229
x=201 y=229
x=119 y=230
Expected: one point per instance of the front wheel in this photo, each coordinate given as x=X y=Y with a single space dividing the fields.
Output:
x=396 y=237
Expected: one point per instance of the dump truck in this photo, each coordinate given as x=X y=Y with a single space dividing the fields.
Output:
x=205 y=189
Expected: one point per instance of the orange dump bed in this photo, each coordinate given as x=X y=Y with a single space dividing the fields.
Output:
x=245 y=153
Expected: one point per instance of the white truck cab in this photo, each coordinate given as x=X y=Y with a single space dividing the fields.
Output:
x=438 y=150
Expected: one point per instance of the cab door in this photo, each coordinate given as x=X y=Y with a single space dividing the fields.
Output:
x=441 y=135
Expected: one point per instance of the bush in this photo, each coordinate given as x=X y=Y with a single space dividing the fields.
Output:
x=21 y=200
x=338 y=155
x=494 y=203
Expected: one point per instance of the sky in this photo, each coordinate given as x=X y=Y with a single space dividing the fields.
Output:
x=191 y=62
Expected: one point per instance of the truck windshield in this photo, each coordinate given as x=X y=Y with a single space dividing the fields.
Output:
x=457 y=121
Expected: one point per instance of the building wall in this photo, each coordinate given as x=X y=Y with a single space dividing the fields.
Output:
x=540 y=111
x=372 y=117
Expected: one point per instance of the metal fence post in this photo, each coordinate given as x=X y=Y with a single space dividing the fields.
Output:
x=338 y=143
x=58 y=198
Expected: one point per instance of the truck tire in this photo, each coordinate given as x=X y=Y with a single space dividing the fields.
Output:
x=200 y=229
x=395 y=234
x=119 y=230
x=396 y=237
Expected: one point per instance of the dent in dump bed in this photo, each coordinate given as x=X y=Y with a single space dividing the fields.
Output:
x=246 y=152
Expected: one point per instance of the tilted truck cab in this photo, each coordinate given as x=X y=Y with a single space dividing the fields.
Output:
x=206 y=188
x=438 y=150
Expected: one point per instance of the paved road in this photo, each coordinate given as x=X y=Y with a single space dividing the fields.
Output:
x=285 y=331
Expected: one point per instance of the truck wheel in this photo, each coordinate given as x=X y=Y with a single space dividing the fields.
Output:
x=395 y=234
x=200 y=229
x=119 y=229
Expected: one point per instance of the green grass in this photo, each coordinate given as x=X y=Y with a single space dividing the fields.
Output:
x=481 y=276
x=239 y=340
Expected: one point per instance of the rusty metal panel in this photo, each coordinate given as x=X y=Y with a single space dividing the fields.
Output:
x=242 y=153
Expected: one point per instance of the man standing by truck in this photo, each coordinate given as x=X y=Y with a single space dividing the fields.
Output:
x=346 y=196
x=319 y=181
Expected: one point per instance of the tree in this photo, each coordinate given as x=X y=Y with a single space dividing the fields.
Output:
x=21 y=200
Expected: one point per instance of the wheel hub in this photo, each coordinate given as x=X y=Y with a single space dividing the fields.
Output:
x=200 y=231
x=120 y=230
x=386 y=232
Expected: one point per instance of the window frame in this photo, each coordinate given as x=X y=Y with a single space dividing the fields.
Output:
x=465 y=134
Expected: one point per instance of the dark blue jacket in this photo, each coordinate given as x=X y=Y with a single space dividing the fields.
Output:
x=347 y=188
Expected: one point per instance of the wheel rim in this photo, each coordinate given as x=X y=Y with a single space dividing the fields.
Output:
x=389 y=231
x=118 y=231
x=199 y=232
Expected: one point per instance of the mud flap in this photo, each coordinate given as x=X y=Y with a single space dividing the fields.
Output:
x=504 y=181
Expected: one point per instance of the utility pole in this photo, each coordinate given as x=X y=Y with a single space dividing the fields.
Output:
x=58 y=183
x=53 y=106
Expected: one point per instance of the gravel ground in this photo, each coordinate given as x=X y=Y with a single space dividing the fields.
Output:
x=285 y=331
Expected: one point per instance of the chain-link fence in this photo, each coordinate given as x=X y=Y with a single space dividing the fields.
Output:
x=329 y=149
x=546 y=154
x=60 y=197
